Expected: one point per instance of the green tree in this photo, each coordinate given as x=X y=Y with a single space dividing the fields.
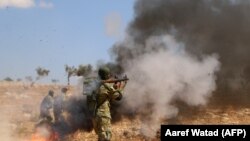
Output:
x=71 y=71
x=41 y=72
x=54 y=81
x=29 y=78
x=84 y=70
x=8 y=79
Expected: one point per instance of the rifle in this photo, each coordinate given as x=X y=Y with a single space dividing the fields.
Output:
x=116 y=80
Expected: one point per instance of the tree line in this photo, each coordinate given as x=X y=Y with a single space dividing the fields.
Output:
x=81 y=70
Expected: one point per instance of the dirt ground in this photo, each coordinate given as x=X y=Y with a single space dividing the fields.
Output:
x=20 y=111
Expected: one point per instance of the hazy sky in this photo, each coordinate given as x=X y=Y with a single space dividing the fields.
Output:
x=52 y=33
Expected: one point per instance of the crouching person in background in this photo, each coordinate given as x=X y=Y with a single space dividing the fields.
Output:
x=46 y=107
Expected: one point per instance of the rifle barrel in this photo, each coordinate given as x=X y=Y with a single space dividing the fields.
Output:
x=115 y=80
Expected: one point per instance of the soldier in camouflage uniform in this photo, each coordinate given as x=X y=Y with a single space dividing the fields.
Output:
x=105 y=93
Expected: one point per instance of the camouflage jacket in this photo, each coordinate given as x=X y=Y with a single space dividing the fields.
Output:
x=105 y=94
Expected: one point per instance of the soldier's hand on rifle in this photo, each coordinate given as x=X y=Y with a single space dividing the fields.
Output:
x=115 y=86
x=125 y=77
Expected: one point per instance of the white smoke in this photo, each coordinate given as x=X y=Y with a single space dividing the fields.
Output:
x=159 y=77
x=113 y=23
x=17 y=3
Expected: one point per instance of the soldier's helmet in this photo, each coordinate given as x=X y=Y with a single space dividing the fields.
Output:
x=104 y=73
x=51 y=93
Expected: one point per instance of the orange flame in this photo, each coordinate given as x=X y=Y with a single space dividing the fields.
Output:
x=54 y=137
x=37 y=137
x=44 y=134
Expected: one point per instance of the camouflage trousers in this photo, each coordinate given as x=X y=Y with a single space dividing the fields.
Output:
x=102 y=127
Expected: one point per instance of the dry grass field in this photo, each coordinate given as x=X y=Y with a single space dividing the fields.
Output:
x=20 y=111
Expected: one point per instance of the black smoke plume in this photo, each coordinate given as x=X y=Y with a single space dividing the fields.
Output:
x=205 y=27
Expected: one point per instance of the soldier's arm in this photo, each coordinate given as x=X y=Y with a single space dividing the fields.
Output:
x=116 y=94
x=112 y=93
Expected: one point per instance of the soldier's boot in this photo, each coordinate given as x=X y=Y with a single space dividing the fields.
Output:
x=105 y=136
